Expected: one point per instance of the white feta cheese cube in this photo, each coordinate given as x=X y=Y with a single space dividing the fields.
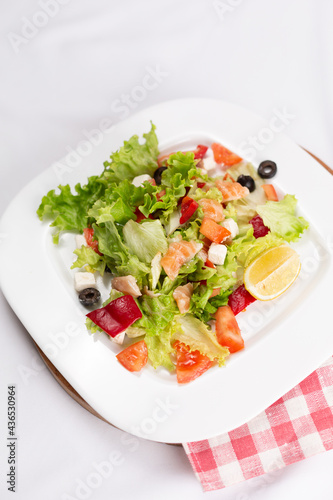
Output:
x=217 y=253
x=80 y=240
x=209 y=163
x=84 y=280
x=140 y=179
x=232 y=226
x=119 y=339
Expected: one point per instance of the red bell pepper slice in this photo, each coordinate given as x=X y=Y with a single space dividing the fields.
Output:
x=240 y=299
x=187 y=209
x=116 y=316
x=259 y=228
x=200 y=152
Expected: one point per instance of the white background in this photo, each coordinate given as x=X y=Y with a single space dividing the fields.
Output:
x=73 y=72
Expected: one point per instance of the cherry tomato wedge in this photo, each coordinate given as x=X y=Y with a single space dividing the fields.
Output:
x=224 y=155
x=89 y=235
x=190 y=365
x=227 y=330
x=134 y=357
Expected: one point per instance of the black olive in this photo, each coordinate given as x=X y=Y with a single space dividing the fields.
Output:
x=267 y=169
x=89 y=296
x=247 y=181
x=158 y=174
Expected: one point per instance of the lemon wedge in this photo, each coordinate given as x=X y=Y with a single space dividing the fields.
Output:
x=272 y=272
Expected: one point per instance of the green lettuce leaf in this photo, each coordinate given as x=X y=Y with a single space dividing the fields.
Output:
x=146 y=239
x=157 y=315
x=69 y=211
x=86 y=256
x=247 y=247
x=195 y=334
x=133 y=158
x=116 y=253
x=281 y=218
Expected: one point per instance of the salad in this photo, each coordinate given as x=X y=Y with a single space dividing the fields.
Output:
x=190 y=239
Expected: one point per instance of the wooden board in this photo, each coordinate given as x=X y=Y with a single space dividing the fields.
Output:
x=69 y=389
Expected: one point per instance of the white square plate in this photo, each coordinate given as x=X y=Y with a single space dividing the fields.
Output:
x=286 y=339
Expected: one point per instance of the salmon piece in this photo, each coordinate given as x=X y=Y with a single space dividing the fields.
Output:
x=212 y=209
x=178 y=254
x=213 y=231
x=182 y=295
x=231 y=190
x=127 y=285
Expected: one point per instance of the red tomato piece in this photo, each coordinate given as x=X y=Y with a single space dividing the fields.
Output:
x=190 y=365
x=139 y=215
x=116 y=316
x=224 y=155
x=201 y=185
x=208 y=263
x=240 y=299
x=216 y=291
x=259 y=228
x=160 y=194
x=227 y=330
x=134 y=357
x=89 y=235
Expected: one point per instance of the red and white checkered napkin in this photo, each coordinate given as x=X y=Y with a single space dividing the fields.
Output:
x=298 y=425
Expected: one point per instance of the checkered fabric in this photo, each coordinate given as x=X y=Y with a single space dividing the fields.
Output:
x=298 y=425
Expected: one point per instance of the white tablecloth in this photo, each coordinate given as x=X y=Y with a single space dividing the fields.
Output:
x=68 y=65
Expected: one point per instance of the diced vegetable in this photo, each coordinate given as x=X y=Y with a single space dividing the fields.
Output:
x=190 y=365
x=259 y=228
x=134 y=357
x=270 y=192
x=213 y=231
x=240 y=299
x=89 y=236
x=187 y=209
x=224 y=155
x=200 y=152
x=227 y=330
x=116 y=316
